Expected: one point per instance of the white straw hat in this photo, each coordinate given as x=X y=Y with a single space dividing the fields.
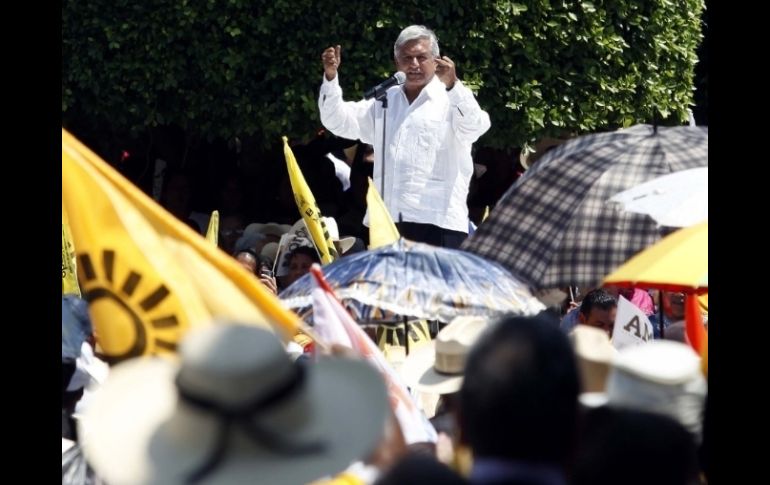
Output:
x=660 y=376
x=439 y=365
x=594 y=354
x=154 y=421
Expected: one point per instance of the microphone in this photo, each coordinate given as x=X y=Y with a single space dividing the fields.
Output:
x=396 y=79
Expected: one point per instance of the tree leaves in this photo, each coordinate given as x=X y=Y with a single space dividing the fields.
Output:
x=252 y=68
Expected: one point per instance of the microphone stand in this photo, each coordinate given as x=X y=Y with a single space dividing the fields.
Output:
x=383 y=98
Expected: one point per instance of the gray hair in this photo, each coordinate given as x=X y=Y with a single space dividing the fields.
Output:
x=414 y=32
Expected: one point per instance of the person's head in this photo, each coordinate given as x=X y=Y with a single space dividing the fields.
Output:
x=663 y=377
x=248 y=260
x=673 y=305
x=519 y=398
x=598 y=309
x=415 y=53
x=230 y=230
x=233 y=408
x=177 y=194
x=341 y=245
x=300 y=261
x=437 y=367
x=613 y=441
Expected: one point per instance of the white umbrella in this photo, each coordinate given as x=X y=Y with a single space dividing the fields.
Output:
x=679 y=199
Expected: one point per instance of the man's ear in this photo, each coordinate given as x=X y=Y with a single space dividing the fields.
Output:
x=581 y=317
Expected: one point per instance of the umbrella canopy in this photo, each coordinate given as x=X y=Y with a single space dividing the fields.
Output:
x=679 y=262
x=679 y=199
x=555 y=226
x=421 y=281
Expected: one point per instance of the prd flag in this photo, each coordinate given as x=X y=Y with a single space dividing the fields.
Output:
x=308 y=207
x=69 y=279
x=382 y=230
x=212 y=233
x=147 y=276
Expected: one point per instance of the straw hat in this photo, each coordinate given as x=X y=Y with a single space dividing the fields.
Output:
x=237 y=393
x=344 y=244
x=439 y=365
x=660 y=376
x=267 y=229
x=594 y=354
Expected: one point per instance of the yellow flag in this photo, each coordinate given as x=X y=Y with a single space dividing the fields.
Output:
x=69 y=279
x=308 y=207
x=149 y=277
x=212 y=233
x=382 y=230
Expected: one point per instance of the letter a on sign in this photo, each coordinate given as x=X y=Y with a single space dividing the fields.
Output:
x=632 y=327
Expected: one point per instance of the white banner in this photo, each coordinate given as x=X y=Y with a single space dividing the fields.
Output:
x=632 y=327
x=299 y=235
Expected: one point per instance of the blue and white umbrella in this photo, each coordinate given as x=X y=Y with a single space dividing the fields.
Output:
x=419 y=281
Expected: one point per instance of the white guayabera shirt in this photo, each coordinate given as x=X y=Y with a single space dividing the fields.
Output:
x=428 y=163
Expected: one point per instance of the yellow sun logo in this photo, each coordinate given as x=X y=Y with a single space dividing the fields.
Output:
x=132 y=314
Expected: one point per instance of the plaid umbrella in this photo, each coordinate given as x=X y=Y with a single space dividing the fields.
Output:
x=555 y=227
x=417 y=280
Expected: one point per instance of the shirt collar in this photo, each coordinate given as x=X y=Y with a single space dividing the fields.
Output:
x=433 y=89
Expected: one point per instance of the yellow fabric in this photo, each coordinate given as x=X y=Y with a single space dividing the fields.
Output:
x=382 y=230
x=390 y=335
x=344 y=478
x=302 y=340
x=703 y=301
x=69 y=280
x=212 y=233
x=463 y=460
x=308 y=207
x=148 y=276
x=486 y=213
x=678 y=262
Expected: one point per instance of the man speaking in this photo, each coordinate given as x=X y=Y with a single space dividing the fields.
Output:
x=426 y=120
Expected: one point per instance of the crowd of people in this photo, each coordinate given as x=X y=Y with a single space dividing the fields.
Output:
x=510 y=399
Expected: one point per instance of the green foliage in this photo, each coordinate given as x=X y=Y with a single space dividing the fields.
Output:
x=224 y=68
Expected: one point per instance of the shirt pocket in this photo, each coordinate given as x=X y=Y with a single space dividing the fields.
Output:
x=430 y=136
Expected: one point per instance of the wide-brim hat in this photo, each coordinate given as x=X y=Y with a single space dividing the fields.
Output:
x=344 y=243
x=270 y=251
x=595 y=355
x=660 y=376
x=152 y=420
x=439 y=366
x=267 y=229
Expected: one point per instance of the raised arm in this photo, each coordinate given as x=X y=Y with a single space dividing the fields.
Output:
x=352 y=120
x=469 y=121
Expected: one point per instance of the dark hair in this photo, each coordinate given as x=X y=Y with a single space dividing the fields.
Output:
x=519 y=398
x=307 y=251
x=613 y=443
x=247 y=242
x=597 y=298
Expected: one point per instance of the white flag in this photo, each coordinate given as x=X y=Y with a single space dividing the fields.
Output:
x=632 y=327
x=332 y=321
